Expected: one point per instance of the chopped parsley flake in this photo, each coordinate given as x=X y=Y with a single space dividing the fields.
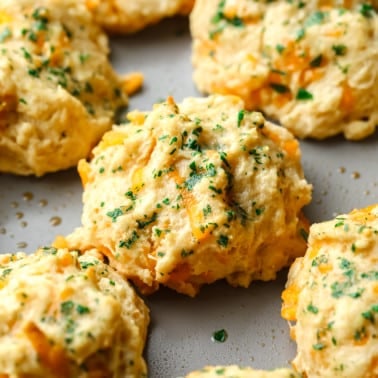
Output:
x=86 y=264
x=300 y=34
x=66 y=307
x=339 y=49
x=280 y=48
x=80 y=309
x=33 y=72
x=315 y=19
x=368 y=315
x=5 y=272
x=279 y=88
x=317 y=61
x=83 y=58
x=304 y=95
x=366 y=10
x=220 y=336
x=206 y=210
x=312 y=308
x=240 y=117
x=114 y=214
x=129 y=242
x=185 y=253
x=223 y=157
x=4 y=34
x=304 y=234
x=318 y=346
x=147 y=221
x=221 y=20
x=223 y=241
x=259 y=211
x=131 y=195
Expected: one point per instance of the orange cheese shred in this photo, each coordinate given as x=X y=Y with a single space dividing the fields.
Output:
x=52 y=356
x=290 y=302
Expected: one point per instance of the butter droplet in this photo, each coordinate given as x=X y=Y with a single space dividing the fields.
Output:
x=3 y=231
x=356 y=175
x=28 y=196
x=19 y=215
x=43 y=203
x=22 y=245
x=55 y=221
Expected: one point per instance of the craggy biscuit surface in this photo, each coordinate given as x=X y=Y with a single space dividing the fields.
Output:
x=331 y=294
x=58 y=91
x=309 y=64
x=191 y=193
x=235 y=371
x=124 y=16
x=64 y=315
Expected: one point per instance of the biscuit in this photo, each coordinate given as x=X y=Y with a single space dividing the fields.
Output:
x=331 y=296
x=58 y=91
x=191 y=193
x=123 y=16
x=309 y=65
x=235 y=371
x=65 y=315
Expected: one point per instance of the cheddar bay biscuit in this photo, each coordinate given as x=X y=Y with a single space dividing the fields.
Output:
x=64 y=315
x=235 y=371
x=191 y=193
x=331 y=296
x=124 y=16
x=311 y=65
x=58 y=91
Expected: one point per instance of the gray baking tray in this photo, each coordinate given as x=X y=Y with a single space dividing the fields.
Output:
x=344 y=175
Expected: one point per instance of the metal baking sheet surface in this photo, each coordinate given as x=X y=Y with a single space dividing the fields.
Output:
x=344 y=174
